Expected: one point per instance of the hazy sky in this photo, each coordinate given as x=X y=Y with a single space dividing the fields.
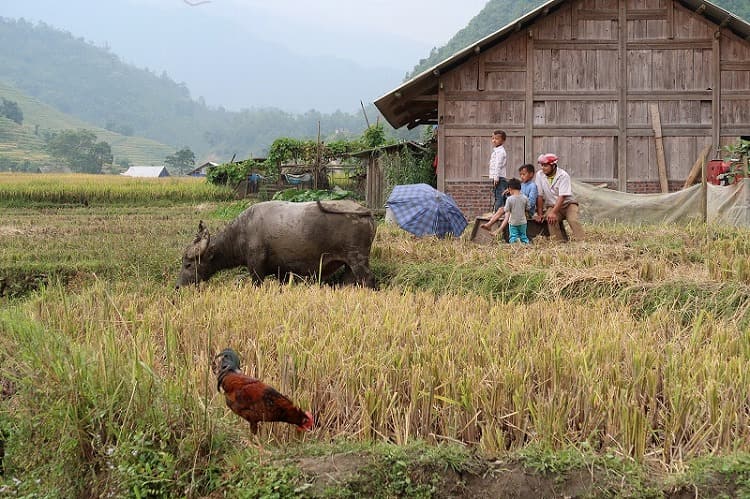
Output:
x=217 y=46
x=349 y=29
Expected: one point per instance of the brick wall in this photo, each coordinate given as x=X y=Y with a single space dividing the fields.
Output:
x=653 y=186
x=474 y=198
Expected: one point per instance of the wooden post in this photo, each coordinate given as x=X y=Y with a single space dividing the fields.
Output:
x=622 y=97
x=528 y=140
x=660 y=160
x=317 y=159
x=716 y=92
x=697 y=166
x=704 y=194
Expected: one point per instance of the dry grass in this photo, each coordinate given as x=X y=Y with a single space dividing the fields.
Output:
x=634 y=342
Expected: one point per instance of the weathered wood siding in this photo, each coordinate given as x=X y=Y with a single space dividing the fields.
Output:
x=375 y=195
x=581 y=81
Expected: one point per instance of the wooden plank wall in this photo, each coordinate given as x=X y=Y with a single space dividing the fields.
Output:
x=579 y=83
x=374 y=189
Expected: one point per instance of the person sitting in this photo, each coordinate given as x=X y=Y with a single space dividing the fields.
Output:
x=528 y=189
x=556 y=202
x=515 y=214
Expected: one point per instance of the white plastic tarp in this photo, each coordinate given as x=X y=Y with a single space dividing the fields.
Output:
x=727 y=205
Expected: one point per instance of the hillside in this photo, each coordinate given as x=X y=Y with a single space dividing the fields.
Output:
x=96 y=86
x=25 y=143
x=498 y=13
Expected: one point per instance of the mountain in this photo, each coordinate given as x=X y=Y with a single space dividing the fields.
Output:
x=23 y=145
x=214 y=46
x=96 y=86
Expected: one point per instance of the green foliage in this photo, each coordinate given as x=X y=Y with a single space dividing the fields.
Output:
x=374 y=136
x=738 y=159
x=408 y=167
x=231 y=210
x=181 y=161
x=308 y=152
x=145 y=467
x=734 y=468
x=230 y=174
x=302 y=195
x=80 y=150
x=10 y=109
x=264 y=481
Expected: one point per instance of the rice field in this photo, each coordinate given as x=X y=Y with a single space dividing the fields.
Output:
x=633 y=344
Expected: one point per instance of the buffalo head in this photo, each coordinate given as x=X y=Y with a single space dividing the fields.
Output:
x=195 y=259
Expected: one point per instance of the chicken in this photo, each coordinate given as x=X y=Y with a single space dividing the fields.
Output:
x=253 y=400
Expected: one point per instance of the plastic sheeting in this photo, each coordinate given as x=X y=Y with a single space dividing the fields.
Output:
x=725 y=205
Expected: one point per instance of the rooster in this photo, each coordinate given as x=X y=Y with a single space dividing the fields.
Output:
x=253 y=400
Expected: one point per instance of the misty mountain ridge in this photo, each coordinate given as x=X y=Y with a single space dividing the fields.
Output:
x=197 y=45
x=94 y=85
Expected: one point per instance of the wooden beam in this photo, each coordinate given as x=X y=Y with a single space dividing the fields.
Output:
x=528 y=140
x=622 y=101
x=596 y=15
x=426 y=98
x=716 y=91
x=491 y=67
x=669 y=44
x=670 y=20
x=440 y=172
x=651 y=95
x=575 y=45
x=661 y=162
x=481 y=72
x=487 y=95
x=697 y=166
x=735 y=65
x=647 y=14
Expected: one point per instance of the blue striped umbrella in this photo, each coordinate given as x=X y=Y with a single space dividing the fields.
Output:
x=423 y=210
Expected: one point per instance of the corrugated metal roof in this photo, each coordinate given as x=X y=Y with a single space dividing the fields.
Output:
x=391 y=147
x=146 y=171
x=414 y=102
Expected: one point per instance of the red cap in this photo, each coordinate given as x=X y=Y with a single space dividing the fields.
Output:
x=547 y=159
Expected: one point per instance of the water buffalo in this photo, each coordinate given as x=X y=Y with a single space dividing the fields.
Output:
x=281 y=238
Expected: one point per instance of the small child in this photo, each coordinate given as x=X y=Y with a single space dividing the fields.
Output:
x=515 y=213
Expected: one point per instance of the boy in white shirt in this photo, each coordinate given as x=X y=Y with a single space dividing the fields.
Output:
x=498 y=165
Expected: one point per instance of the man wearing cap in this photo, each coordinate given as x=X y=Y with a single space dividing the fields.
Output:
x=556 y=202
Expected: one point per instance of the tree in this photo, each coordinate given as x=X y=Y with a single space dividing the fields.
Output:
x=10 y=110
x=79 y=150
x=182 y=160
x=101 y=154
x=374 y=136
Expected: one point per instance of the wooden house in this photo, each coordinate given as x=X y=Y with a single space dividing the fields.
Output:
x=376 y=187
x=626 y=92
x=202 y=170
